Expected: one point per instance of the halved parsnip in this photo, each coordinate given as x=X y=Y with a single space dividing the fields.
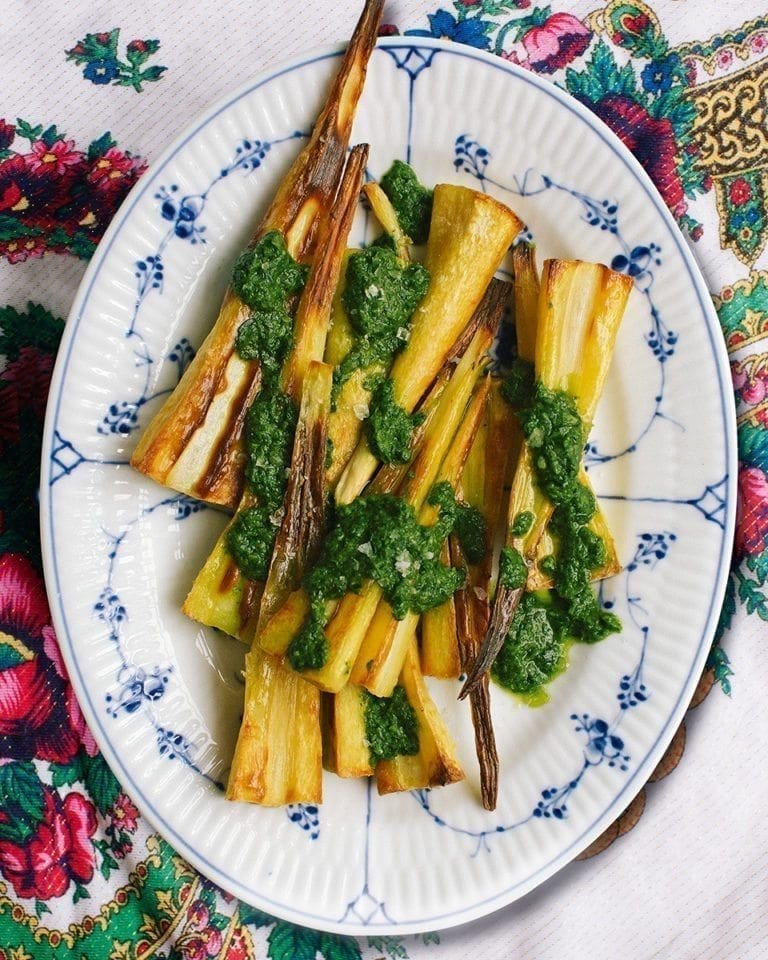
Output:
x=278 y=756
x=221 y=596
x=381 y=655
x=580 y=309
x=436 y=764
x=469 y=235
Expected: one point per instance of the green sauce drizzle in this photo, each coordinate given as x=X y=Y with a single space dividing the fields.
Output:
x=380 y=296
x=512 y=569
x=390 y=426
x=518 y=384
x=412 y=201
x=471 y=532
x=379 y=538
x=266 y=275
x=269 y=427
x=522 y=523
x=250 y=540
x=534 y=650
x=265 y=278
x=391 y=726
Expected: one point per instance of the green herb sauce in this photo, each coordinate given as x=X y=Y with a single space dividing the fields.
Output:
x=522 y=523
x=412 y=201
x=266 y=275
x=380 y=296
x=265 y=278
x=518 y=385
x=267 y=337
x=391 y=726
x=470 y=530
x=308 y=650
x=512 y=569
x=379 y=538
x=390 y=427
x=250 y=540
x=269 y=427
x=534 y=650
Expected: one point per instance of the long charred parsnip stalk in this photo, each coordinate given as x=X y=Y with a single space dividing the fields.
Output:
x=278 y=632
x=471 y=620
x=220 y=595
x=436 y=764
x=278 y=756
x=482 y=486
x=304 y=516
x=579 y=312
x=194 y=443
x=469 y=235
x=381 y=655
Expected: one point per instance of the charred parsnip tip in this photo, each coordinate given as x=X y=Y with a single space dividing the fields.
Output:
x=469 y=235
x=194 y=442
x=580 y=308
x=303 y=520
x=313 y=316
x=471 y=622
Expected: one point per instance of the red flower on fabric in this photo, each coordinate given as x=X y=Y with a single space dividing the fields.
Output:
x=651 y=140
x=17 y=251
x=113 y=165
x=7 y=133
x=739 y=192
x=71 y=706
x=56 y=157
x=752 y=512
x=33 y=195
x=123 y=814
x=58 y=852
x=554 y=44
x=34 y=699
x=200 y=940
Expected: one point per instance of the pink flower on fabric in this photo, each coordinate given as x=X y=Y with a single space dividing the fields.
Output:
x=752 y=512
x=37 y=705
x=17 y=251
x=56 y=158
x=74 y=713
x=58 y=852
x=124 y=814
x=554 y=44
x=113 y=165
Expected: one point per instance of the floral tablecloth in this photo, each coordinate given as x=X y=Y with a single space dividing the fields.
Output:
x=89 y=95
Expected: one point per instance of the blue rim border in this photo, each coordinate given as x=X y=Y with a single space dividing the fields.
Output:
x=635 y=783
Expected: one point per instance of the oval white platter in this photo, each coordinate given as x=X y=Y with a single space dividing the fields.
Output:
x=162 y=694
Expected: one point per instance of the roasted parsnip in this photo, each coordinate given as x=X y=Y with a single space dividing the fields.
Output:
x=580 y=308
x=194 y=443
